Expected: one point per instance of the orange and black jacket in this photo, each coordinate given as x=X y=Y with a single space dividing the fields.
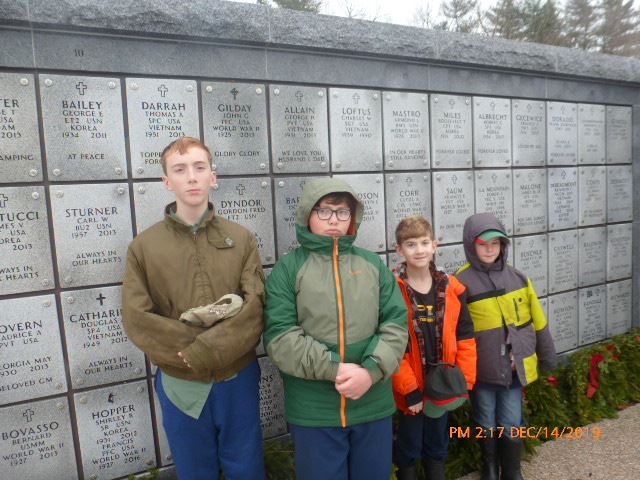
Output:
x=458 y=341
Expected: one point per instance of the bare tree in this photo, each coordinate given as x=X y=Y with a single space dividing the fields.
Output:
x=423 y=17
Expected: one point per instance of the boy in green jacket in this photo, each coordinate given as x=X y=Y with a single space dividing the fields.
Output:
x=336 y=327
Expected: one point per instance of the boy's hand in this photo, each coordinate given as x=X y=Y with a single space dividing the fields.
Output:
x=417 y=408
x=184 y=359
x=354 y=383
x=343 y=368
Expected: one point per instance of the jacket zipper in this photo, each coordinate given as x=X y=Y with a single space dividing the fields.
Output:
x=336 y=276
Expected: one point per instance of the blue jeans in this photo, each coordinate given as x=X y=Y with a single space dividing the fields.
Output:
x=498 y=406
x=420 y=438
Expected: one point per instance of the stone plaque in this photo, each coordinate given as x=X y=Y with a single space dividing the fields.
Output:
x=619 y=254
x=159 y=111
x=115 y=432
x=235 y=126
x=83 y=127
x=592 y=256
x=150 y=200
x=407 y=194
x=530 y=256
x=406 y=131
x=247 y=201
x=591 y=133
x=563 y=198
x=618 y=307
x=299 y=130
x=450 y=258
x=619 y=193
x=271 y=400
x=453 y=202
x=394 y=261
x=545 y=306
x=592 y=319
x=25 y=251
x=494 y=193
x=530 y=201
x=563 y=260
x=36 y=441
x=99 y=350
x=529 y=133
x=166 y=458
x=92 y=230
x=491 y=132
x=562 y=133
x=451 y=131
x=356 y=130
x=370 y=191
x=563 y=320
x=32 y=364
x=592 y=196
x=619 y=134
x=288 y=191
x=20 y=159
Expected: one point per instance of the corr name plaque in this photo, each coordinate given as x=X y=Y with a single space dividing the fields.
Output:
x=407 y=194
x=406 y=130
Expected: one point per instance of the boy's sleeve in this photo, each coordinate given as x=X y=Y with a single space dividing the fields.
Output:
x=289 y=347
x=545 y=348
x=466 y=356
x=387 y=346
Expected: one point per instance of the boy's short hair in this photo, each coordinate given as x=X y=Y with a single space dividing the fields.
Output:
x=413 y=226
x=336 y=198
x=182 y=145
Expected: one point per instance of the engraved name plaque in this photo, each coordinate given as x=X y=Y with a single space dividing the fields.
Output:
x=25 y=251
x=563 y=320
x=491 y=132
x=592 y=256
x=271 y=400
x=32 y=364
x=618 y=307
x=92 y=230
x=530 y=256
x=494 y=194
x=150 y=200
x=619 y=134
x=619 y=193
x=160 y=111
x=407 y=194
x=563 y=260
x=166 y=458
x=530 y=201
x=20 y=159
x=450 y=258
x=592 y=320
x=299 y=130
x=451 y=131
x=99 y=349
x=453 y=202
x=406 y=130
x=619 y=254
x=591 y=133
x=592 y=197
x=562 y=133
x=235 y=125
x=114 y=427
x=36 y=441
x=563 y=198
x=356 y=130
x=83 y=127
x=529 y=132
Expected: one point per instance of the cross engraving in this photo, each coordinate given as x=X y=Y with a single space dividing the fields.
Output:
x=356 y=98
x=81 y=87
x=240 y=189
x=3 y=200
x=28 y=414
x=299 y=95
x=163 y=90
x=111 y=398
x=101 y=298
x=234 y=92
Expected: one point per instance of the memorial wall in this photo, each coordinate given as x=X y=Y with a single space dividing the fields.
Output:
x=419 y=122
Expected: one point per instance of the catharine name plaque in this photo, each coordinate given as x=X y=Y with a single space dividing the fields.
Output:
x=563 y=260
x=530 y=256
x=563 y=198
x=453 y=202
x=160 y=111
x=591 y=136
x=272 y=417
x=99 y=349
x=36 y=441
x=619 y=253
x=406 y=194
x=115 y=432
x=619 y=134
x=528 y=124
x=20 y=158
x=32 y=364
x=235 y=125
x=451 y=131
x=562 y=133
x=299 y=129
x=592 y=256
x=83 y=127
x=92 y=235
x=406 y=130
x=491 y=132
x=592 y=196
x=530 y=201
x=592 y=321
x=618 y=307
x=563 y=320
x=150 y=200
x=450 y=258
x=619 y=193
x=25 y=251
x=494 y=193
x=355 y=121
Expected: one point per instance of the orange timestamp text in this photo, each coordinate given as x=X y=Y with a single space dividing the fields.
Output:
x=571 y=433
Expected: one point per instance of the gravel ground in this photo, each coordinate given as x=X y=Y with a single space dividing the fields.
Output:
x=613 y=456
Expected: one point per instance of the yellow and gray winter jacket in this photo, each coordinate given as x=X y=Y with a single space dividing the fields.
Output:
x=508 y=319
x=328 y=302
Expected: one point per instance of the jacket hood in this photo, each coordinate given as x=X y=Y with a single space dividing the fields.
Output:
x=474 y=226
x=317 y=189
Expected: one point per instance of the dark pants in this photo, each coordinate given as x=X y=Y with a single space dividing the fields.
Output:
x=420 y=438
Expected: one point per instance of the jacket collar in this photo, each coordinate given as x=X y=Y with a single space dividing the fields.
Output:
x=321 y=243
x=216 y=233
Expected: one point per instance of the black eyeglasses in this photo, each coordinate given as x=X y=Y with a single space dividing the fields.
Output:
x=342 y=214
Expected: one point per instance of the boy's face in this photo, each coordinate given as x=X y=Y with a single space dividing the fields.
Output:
x=489 y=251
x=418 y=251
x=333 y=227
x=190 y=177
